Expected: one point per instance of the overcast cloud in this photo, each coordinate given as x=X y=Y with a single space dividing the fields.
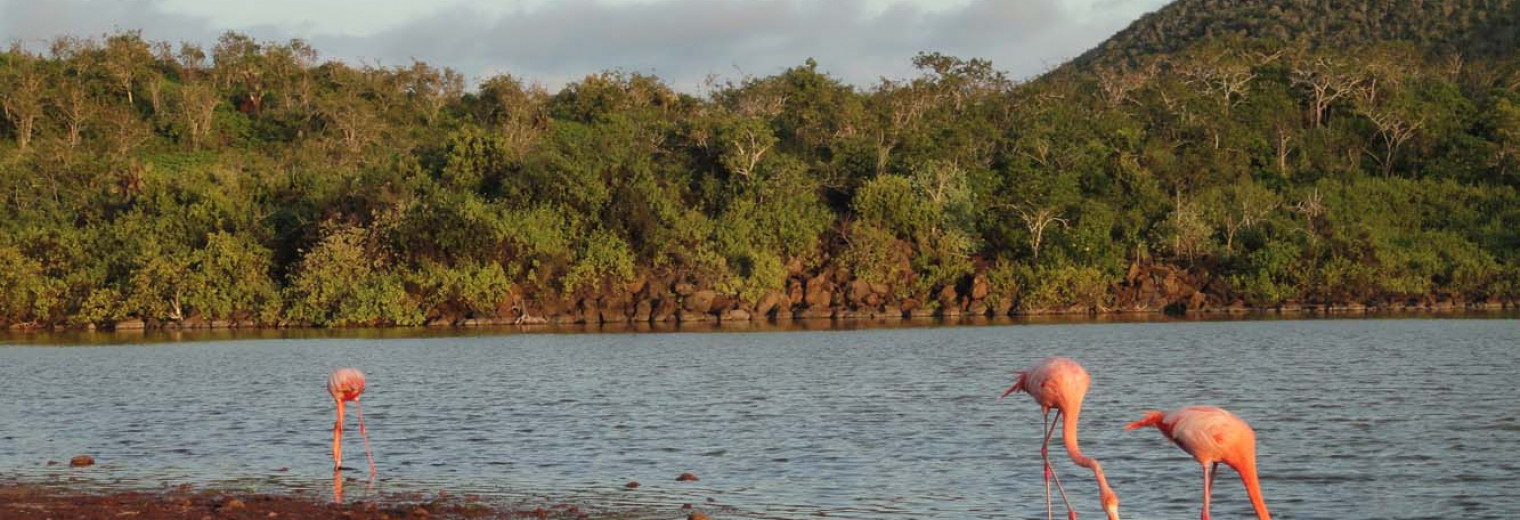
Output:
x=682 y=41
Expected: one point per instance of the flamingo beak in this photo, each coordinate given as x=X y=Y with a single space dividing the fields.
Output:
x=1113 y=511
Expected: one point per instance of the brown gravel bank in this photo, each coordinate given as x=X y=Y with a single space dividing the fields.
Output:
x=21 y=501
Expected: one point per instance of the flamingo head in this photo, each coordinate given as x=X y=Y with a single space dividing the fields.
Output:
x=1110 y=504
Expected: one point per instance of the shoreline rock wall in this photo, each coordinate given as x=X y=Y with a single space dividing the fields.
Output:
x=833 y=294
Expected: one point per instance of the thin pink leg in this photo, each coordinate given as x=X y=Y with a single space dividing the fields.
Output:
x=1208 y=486
x=338 y=438
x=364 y=433
x=1045 y=455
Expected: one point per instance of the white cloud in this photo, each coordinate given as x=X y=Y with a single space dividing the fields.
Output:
x=680 y=40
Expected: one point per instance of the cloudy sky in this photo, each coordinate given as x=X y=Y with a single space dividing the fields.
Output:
x=554 y=41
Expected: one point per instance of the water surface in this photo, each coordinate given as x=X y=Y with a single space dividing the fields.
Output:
x=1408 y=418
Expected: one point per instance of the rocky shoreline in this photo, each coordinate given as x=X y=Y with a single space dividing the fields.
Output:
x=29 y=501
x=835 y=295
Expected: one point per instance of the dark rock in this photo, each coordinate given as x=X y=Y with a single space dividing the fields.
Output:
x=1197 y=301
x=665 y=310
x=1003 y=307
x=815 y=313
x=194 y=322
x=687 y=477
x=637 y=285
x=793 y=292
x=873 y=300
x=686 y=316
x=234 y=504
x=721 y=302
x=700 y=301
x=80 y=461
x=980 y=287
x=859 y=290
x=947 y=296
x=769 y=302
x=132 y=324
x=818 y=292
x=795 y=267
x=632 y=484
x=697 y=515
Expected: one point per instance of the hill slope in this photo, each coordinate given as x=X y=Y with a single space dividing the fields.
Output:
x=1472 y=27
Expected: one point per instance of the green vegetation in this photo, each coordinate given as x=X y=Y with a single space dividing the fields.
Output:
x=257 y=184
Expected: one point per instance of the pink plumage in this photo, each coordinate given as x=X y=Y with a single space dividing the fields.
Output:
x=1212 y=436
x=1059 y=383
x=345 y=385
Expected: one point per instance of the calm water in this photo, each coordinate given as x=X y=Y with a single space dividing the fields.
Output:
x=1355 y=418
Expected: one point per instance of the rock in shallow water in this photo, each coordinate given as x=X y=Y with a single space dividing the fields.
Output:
x=687 y=477
x=82 y=461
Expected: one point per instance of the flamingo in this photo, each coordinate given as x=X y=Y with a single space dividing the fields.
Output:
x=1212 y=435
x=347 y=384
x=1061 y=383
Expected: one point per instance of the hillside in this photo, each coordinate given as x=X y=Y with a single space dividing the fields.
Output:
x=1471 y=27
x=254 y=184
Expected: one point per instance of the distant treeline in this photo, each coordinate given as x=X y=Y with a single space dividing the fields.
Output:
x=255 y=183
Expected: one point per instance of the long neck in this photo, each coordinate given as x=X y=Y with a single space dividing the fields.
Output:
x=1070 y=414
x=1247 y=470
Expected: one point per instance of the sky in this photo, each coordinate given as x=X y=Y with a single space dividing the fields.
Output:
x=557 y=41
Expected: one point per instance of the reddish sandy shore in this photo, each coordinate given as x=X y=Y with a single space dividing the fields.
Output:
x=42 y=502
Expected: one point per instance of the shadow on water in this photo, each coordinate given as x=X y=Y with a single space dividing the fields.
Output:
x=86 y=338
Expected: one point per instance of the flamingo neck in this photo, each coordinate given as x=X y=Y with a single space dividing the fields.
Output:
x=1247 y=470
x=1069 y=416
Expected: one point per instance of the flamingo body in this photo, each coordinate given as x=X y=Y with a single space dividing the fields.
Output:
x=1061 y=384
x=1212 y=436
x=347 y=385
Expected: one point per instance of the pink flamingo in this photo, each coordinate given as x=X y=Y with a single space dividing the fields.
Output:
x=1212 y=436
x=1061 y=383
x=347 y=384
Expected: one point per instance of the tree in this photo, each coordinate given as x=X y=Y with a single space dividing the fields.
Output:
x=745 y=140
x=1327 y=80
x=75 y=110
x=125 y=58
x=21 y=95
x=240 y=62
x=197 y=106
x=1238 y=207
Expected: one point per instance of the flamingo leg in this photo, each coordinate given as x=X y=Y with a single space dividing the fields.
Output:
x=365 y=434
x=1045 y=456
x=1044 y=452
x=338 y=438
x=337 y=486
x=1208 y=486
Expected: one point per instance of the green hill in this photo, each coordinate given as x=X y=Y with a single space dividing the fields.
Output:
x=1471 y=27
